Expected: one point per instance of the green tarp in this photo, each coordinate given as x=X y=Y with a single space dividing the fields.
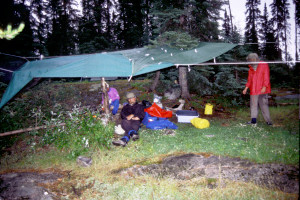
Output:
x=124 y=63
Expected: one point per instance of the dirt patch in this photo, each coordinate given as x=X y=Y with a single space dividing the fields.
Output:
x=190 y=166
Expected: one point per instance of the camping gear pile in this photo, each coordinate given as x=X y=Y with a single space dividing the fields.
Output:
x=157 y=118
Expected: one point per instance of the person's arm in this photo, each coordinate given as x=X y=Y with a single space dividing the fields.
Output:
x=124 y=112
x=139 y=113
x=266 y=77
x=131 y=117
x=245 y=90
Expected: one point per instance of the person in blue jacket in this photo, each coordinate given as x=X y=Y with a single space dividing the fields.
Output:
x=132 y=115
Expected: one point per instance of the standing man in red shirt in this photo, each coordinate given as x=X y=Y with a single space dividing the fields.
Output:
x=259 y=85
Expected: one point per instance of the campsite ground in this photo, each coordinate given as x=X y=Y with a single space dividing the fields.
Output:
x=238 y=161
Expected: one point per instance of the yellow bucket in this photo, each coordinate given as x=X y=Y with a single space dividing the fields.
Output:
x=208 y=109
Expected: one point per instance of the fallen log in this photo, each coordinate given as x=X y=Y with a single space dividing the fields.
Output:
x=29 y=129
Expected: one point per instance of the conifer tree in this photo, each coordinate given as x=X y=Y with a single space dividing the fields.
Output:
x=203 y=22
x=269 y=48
x=297 y=26
x=195 y=18
x=93 y=33
x=40 y=25
x=62 y=38
x=252 y=23
x=280 y=13
x=226 y=27
x=131 y=20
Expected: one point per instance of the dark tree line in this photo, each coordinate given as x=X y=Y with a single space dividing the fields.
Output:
x=55 y=27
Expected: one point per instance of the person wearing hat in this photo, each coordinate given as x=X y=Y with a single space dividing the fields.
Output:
x=259 y=85
x=113 y=97
x=132 y=115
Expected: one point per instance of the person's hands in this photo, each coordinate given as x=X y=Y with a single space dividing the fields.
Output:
x=129 y=117
x=135 y=118
x=263 y=89
x=245 y=90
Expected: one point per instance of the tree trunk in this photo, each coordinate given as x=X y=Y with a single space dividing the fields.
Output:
x=183 y=83
x=105 y=95
x=230 y=18
x=296 y=41
x=155 y=82
x=237 y=76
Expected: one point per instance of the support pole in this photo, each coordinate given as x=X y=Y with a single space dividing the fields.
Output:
x=105 y=95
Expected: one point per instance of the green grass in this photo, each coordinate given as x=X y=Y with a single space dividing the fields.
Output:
x=225 y=137
x=228 y=136
x=261 y=144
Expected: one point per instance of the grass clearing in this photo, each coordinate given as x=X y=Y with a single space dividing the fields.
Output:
x=228 y=136
x=261 y=144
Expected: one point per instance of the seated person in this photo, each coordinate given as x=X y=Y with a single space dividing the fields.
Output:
x=132 y=115
x=114 y=99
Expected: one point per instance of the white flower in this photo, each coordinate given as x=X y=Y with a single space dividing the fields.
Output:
x=86 y=143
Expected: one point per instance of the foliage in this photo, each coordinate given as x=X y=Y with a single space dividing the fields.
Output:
x=82 y=133
x=175 y=39
x=199 y=80
x=15 y=115
x=14 y=13
x=2 y=85
x=10 y=33
x=227 y=85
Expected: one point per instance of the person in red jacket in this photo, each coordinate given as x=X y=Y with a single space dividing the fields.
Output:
x=259 y=85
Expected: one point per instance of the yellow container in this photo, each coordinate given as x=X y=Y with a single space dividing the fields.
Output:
x=208 y=109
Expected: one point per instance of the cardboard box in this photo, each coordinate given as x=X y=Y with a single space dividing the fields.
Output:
x=185 y=116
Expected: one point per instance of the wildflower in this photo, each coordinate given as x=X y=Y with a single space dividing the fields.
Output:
x=94 y=116
x=86 y=143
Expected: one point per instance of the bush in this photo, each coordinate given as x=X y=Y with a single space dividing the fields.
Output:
x=83 y=132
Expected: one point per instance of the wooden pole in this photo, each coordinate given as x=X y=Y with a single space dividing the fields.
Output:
x=28 y=129
x=105 y=95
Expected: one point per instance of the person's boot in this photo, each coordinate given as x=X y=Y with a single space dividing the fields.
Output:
x=135 y=137
x=120 y=142
x=252 y=122
x=269 y=123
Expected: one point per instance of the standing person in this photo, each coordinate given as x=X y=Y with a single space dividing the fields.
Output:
x=132 y=115
x=114 y=99
x=259 y=85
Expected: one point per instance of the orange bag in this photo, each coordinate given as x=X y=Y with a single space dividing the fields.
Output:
x=156 y=111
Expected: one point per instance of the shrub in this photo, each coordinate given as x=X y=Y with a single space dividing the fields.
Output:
x=83 y=131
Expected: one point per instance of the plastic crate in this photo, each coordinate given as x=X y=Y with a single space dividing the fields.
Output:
x=185 y=116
